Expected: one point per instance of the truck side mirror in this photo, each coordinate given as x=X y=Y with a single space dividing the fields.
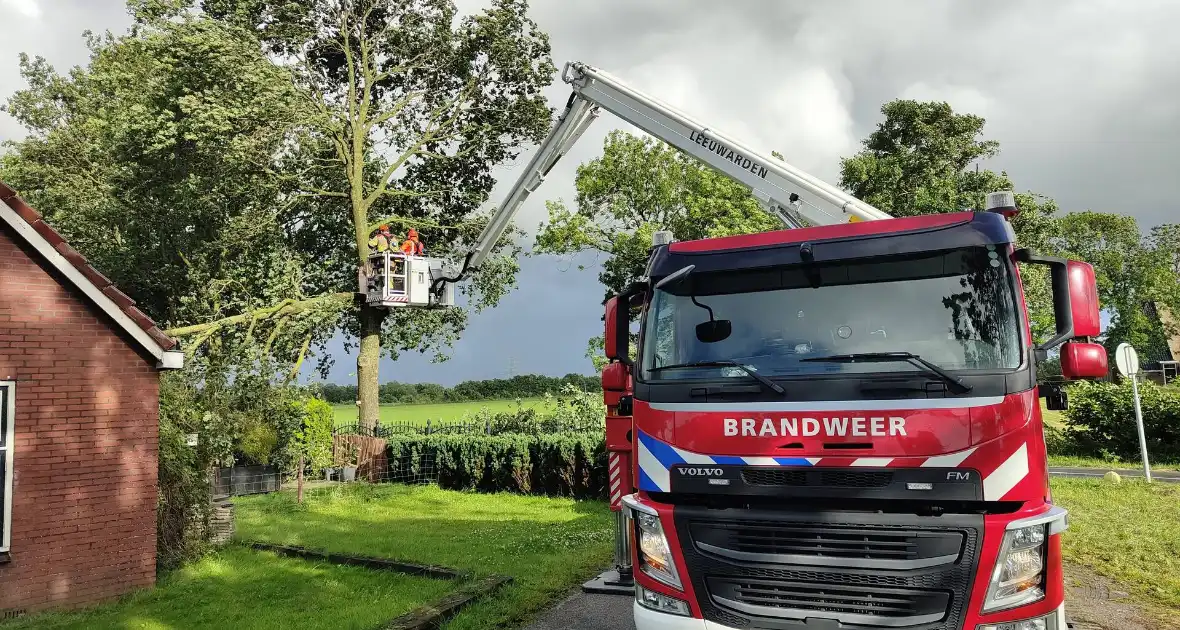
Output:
x=1081 y=360
x=616 y=378
x=1075 y=298
x=617 y=339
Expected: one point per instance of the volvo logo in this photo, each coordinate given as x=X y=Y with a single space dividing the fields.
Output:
x=700 y=472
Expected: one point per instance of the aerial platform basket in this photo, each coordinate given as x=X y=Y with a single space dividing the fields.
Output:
x=404 y=280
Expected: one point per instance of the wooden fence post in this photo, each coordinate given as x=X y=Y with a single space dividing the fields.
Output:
x=299 y=492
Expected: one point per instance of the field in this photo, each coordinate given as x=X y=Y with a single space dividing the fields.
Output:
x=435 y=412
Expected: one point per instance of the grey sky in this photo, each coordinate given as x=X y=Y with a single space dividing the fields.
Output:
x=1084 y=99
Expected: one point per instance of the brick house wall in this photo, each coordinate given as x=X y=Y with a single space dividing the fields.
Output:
x=86 y=439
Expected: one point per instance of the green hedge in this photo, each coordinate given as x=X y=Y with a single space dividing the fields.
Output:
x=521 y=386
x=1101 y=419
x=561 y=464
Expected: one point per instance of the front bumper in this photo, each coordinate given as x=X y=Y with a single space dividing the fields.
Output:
x=647 y=619
x=783 y=570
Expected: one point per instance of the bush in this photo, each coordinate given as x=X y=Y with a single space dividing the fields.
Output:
x=182 y=508
x=1102 y=421
x=314 y=439
x=562 y=464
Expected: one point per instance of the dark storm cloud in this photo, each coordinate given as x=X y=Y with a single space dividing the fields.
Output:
x=1083 y=97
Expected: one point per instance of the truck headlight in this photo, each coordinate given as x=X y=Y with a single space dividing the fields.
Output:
x=1052 y=621
x=655 y=558
x=1019 y=575
x=661 y=602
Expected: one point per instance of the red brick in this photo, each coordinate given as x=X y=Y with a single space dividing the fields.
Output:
x=83 y=527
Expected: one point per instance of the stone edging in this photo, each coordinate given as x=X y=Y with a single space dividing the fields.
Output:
x=369 y=562
x=431 y=615
x=422 y=618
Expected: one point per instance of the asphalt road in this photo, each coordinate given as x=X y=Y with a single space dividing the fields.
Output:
x=583 y=611
x=1156 y=475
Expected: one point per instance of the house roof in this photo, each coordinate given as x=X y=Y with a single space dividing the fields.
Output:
x=29 y=226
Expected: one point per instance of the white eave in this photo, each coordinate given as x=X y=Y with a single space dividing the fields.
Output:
x=165 y=359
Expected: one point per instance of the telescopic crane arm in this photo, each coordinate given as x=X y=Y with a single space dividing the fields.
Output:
x=795 y=197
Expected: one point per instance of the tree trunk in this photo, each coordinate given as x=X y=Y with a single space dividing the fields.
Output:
x=368 y=359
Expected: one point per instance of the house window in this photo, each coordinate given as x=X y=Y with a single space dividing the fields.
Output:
x=7 y=437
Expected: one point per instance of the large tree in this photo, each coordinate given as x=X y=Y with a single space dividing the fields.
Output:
x=235 y=190
x=409 y=107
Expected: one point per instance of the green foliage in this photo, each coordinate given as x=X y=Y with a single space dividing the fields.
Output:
x=916 y=161
x=1101 y=420
x=258 y=442
x=314 y=438
x=561 y=464
x=521 y=386
x=183 y=483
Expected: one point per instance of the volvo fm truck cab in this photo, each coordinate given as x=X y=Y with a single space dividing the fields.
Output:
x=833 y=426
x=838 y=427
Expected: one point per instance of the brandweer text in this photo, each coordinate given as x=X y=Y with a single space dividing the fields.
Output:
x=807 y=427
x=728 y=153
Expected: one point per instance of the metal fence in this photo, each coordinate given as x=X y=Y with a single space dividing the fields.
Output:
x=243 y=480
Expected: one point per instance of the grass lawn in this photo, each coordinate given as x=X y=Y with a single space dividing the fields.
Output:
x=548 y=545
x=253 y=590
x=1127 y=532
x=445 y=412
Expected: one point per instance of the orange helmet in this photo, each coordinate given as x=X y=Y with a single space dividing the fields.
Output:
x=383 y=228
x=413 y=233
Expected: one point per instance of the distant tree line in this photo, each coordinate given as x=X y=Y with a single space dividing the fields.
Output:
x=522 y=386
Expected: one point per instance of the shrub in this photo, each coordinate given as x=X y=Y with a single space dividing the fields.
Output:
x=1102 y=420
x=563 y=464
x=182 y=508
x=314 y=438
x=259 y=441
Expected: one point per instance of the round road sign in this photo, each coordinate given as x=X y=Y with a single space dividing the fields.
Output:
x=1126 y=360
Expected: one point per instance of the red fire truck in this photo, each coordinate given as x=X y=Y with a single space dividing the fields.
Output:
x=834 y=426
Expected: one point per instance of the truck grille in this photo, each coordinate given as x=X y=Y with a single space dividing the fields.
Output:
x=828 y=545
x=851 y=605
x=775 y=570
x=816 y=478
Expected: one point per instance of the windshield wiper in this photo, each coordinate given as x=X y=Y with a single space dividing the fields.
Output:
x=745 y=368
x=953 y=382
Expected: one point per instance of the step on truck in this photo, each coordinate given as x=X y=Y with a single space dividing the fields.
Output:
x=833 y=426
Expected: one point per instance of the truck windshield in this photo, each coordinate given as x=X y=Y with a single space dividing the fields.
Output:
x=954 y=308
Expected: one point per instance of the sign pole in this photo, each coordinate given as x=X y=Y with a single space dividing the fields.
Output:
x=1127 y=362
x=1139 y=422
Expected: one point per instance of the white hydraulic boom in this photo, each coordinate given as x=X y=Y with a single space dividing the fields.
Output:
x=797 y=198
